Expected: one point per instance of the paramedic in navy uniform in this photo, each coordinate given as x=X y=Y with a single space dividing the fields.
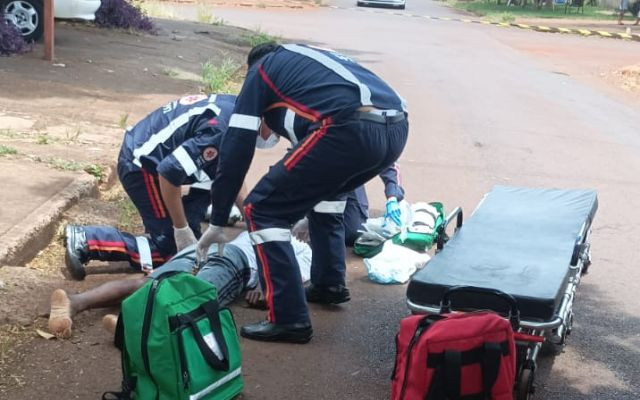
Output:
x=345 y=125
x=175 y=145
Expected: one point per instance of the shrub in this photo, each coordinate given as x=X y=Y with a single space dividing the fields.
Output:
x=11 y=40
x=122 y=14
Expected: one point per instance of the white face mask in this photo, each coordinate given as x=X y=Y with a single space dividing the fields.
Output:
x=269 y=142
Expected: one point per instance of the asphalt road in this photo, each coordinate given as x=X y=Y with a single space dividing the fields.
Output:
x=482 y=112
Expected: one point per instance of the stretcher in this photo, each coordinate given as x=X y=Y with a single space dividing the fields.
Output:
x=521 y=254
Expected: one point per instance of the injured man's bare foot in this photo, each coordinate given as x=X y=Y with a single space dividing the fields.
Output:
x=60 y=315
x=109 y=322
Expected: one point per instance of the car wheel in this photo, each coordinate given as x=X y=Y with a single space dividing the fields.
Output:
x=26 y=15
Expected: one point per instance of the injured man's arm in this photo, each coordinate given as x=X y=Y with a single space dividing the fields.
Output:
x=231 y=274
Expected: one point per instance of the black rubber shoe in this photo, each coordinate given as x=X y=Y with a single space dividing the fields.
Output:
x=327 y=294
x=267 y=332
x=77 y=251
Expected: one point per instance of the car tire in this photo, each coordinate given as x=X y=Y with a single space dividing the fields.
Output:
x=27 y=15
x=401 y=7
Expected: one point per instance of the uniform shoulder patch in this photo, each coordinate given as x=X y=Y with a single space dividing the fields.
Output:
x=194 y=98
x=209 y=153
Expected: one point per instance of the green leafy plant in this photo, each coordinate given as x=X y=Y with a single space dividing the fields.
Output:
x=43 y=139
x=95 y=170
x=123 y=121
x=218 y=78
x=258 y=36
x=7 y=150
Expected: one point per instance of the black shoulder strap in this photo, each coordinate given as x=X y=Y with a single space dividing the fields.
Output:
x=445 y=384
x=490 y=366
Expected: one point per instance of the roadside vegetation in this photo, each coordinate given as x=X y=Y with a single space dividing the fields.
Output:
x=123 y=15
x=503 y=13
x=220 y=77
x=11 y=41
x=258 y=36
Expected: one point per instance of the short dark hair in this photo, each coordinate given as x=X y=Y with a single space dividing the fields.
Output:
x=260 y=51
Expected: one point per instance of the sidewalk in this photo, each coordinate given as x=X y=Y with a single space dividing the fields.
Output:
x=33 y=197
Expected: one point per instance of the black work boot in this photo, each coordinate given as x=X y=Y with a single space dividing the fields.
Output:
x=77 y=251
x=269 y=332
x=327 y=294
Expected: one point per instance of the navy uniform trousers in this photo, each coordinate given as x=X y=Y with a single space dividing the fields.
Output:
x=311 y=179
x=107 y=243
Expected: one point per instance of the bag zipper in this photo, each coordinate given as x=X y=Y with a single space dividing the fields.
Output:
x=183 y=360
x=412 y=343
x=146 y=324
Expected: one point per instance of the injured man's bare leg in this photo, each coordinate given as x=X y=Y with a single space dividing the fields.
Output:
x=65 y=306
x=230 y=278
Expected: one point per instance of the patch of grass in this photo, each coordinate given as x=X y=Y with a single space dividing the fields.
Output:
x=123 y=121
x=7 y=150
x=156 y=9
x=9 y=133
x=128 y=214
x=66 y=165
x=170 y=73
x=503 y=13
x=219 y=78
x=204 y=13
x=43 y=139
x=505 y=17
x=96 y=170
x=258 y=36
x=72 y=135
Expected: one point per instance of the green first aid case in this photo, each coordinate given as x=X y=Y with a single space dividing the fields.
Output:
x=177 y=343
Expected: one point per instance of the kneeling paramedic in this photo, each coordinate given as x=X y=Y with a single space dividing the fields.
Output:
x=346 y=125
x=175 y=145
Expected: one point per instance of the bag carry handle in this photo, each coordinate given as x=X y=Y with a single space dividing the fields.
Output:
x=514 y=312
x=211 y=309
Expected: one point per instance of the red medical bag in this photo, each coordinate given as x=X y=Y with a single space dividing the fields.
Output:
x=464 y=356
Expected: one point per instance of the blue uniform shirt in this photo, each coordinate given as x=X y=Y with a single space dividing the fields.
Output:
x=180 y=140
x=296 y=88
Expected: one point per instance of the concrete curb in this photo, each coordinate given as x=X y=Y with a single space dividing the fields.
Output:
x=21 y=243
x=538 y=28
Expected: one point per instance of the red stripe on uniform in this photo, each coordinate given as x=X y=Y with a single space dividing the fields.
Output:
x=268 y=295
x=292 y=102
x=147 y=184
x=305 y=147
x=156 y=193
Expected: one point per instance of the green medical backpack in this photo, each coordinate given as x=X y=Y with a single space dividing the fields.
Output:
x=177 y=343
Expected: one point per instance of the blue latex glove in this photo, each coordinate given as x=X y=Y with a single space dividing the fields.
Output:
x=393 y=212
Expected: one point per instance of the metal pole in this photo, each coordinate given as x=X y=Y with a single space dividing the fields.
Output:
x=48 y=30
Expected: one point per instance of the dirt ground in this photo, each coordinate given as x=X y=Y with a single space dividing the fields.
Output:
x=104 y=80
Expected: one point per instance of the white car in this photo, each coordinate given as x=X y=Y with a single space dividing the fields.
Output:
x=28 y=15
x=400 y=4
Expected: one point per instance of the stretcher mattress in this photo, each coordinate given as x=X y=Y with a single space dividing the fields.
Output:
x=519 y=241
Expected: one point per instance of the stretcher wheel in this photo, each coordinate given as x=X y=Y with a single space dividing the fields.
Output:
x=525 y=389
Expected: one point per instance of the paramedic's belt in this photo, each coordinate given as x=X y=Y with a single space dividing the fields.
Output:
x=381 y=116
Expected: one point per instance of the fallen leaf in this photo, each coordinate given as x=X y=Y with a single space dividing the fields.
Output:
x=44 y=334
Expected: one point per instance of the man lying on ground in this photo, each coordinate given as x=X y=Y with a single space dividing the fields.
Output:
x=231 y=273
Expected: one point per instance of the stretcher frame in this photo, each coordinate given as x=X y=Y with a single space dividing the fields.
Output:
x=532 y=337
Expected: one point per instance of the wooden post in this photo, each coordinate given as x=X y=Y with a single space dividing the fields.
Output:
x=48 y=30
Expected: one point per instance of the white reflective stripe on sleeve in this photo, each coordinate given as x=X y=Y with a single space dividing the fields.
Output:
x=167 y=131
x=144 y=251
x=365 y=93
x=270 y=235
x=185 y=161
x=330 y=207
x=289 y=119
x=212 y=98
x=244 y=121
